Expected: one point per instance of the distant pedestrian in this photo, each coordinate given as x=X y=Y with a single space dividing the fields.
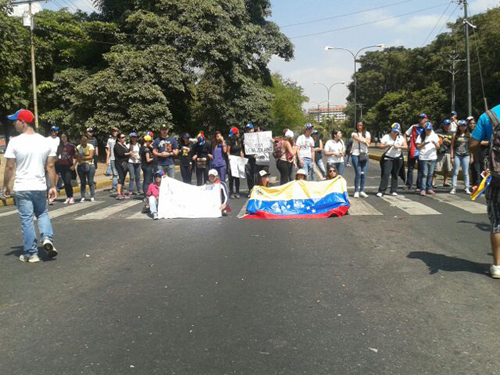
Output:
x=234 y=148
x=444 y=163
x=392 y=159
x=286 y=156
x=122 y=154
x=185 y=157
x=460 y=155
x=147 y=163
x=360 y=158
x=305 y=144
x=86 y=168
x=202 y=154
x=110 y=156
x=134 y=166
x=250 y=169
x=28 y=155
x=335 y=151
x=428 y=143
x=318 y=152
x=219 y=151
x=165 y=148
x=91 y=139
x=348 y=152
x=54 y=142
x=66 y=153
x=411 y=136
x=453 y=121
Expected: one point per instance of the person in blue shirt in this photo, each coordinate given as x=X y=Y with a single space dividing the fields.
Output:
x=165 y=148
x=483 y=132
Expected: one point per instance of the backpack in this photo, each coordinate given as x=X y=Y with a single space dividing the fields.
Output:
x=278 y=149
x=493 y=158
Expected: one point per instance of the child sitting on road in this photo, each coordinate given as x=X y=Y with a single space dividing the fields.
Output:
x=153 y=194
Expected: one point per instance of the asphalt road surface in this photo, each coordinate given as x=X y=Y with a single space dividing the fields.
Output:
x=400 y=286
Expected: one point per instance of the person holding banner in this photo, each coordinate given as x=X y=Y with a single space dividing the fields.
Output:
x=213 y=176
x=305 y=142
x=335 y=151
x=234 y=148
x=264 y=178
x=219 y=152
x=331 y=171
x=201 y=157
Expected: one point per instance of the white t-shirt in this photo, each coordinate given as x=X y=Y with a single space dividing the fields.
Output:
x=429 y=151
x=453 y=127
x=54 y=143
x=306 y=145
x=337 y=147
x=135 y=150
x=30 y=152
x=393 y=152
x=356 y=146
x=110 y=145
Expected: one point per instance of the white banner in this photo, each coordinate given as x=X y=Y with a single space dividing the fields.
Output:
x=180 y=200
x=258 y=143
x=237 y=165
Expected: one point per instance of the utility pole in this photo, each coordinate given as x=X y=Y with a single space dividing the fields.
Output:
x=31 y=25
x=453 y=60
x=467 y=52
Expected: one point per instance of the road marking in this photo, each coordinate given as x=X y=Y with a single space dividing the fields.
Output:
x=139 y=216
x=72 y=208
x=359 y=207
x=8 y=213
x=110 y=210
x=463 y=204
x=409 y=206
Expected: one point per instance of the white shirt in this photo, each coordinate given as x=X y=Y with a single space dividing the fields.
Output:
x=54 y=143
x=30 y=152
x=306 y=145
x=393 y=152
x=429 y=151
x=337 y=147
x=111 y=147
x=135 y=150
x=357 y=146
x=453 y=127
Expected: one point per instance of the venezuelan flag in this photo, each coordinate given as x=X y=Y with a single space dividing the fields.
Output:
x=299 y=200
x=482 y=186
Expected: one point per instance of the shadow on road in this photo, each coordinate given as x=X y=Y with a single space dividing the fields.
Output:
x=485 y=227
x=15 y=251
x=440 y=262
x=18 y=250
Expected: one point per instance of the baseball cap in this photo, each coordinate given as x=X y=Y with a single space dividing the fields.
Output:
x=186 y=135
x=470 y=118
x=147 y=138
x=213 y=172
x=302 y=172
x=309 y=126
x=90 y=130
x=164 y=126
x=446 y=122
x=55 y=128
x=249 y=126
x=462 y=123
x=159 y=172
x=428 y=126
x=396 y=128
x=23 y=115
x=263 y=173
x=289 y=134
x=422 y=115
x=315 y=132
x=133 y=134
x=234 y=130
x=150 y=133
x=453 y=113
x=114 y=128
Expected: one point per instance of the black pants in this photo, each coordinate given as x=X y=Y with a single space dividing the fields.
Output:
x=201 y=174
x=475 y=171
x=66 y=175
x=285 y=169
x=186 y=173
x=250 y=173
x=122 y=172
x=390 y=168
x=147 y=172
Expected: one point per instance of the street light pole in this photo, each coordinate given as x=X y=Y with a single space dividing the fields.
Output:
x=355 y=78
x=328 y=93
x=467 y=50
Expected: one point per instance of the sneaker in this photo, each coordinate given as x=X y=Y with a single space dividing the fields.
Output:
x=467 y=191
x=394 y=194
x=34 y=259
x=82 y=200
x=380 y=195
x=446 y=185
x=417 y=190
x=237 y=196
x=431 y=192
x=24 y=258
x=422 y=193
x=72 y=200
x=155 y=216
x=92 y=199
x=51 y=202
x=356 y=195
x=67 y=201
x=348 y=165
x=494 y=271
x=363 y=194
x=126 y=196
x=49 y=248
x=120 y=197
x=453 y=191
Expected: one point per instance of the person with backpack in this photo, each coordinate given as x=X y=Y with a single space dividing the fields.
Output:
x=487 y=128
x=428 y=143
x=392 y=159
x=335 y=151
x=411 y=136
x=460 y=155
x=284 y=152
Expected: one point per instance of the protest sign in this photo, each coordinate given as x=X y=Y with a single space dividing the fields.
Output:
x=257 y=143
x=237 y=165
x=180 y=200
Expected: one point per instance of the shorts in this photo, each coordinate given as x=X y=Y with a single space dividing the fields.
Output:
x=493 y=206
x=444 y=163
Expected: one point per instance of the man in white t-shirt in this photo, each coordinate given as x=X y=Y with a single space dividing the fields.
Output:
x=110 y=156
x=454 y=122
x=305 y=142
x=28 y=155
x=55 y=141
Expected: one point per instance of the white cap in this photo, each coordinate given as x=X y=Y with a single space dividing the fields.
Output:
x=263 y=173
x=302 y=172
x=213 y=172
x=289 y=134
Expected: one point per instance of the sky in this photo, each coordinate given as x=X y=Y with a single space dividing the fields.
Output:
x=408 y=23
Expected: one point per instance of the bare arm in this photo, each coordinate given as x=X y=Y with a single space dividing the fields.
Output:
x=10 y=167
x=51 y=169
x=452 y=147
x=475 y=148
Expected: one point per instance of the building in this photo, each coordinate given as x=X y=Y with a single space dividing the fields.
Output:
x=321 y=112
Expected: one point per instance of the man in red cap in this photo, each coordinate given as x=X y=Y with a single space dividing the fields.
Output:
x=29 y=154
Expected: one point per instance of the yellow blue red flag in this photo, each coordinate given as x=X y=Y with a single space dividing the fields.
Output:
x=482 y=186
x=299 y=200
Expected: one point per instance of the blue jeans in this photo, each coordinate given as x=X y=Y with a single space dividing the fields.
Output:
x=153 y=205
x=409 y=176
x=360 y=168
x=460 y=161
x=86 y=177
x=321 y=166
x=169 y=170
x=115 y=173
x=308 y=168
x=427 y=167
x=32 y=204
x=135 y=175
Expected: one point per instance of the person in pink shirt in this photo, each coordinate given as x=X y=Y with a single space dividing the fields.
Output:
x=153 y=194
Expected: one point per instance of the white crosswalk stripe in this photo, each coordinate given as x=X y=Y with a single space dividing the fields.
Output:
x=109 y=211
x=72 y=208
x=139 y=216
x=409 y=206
x=359 y=207
x=8 y=213
x=463 y=204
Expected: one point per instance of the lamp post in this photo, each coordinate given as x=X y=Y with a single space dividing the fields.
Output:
x=355 y=56
x=328 y=88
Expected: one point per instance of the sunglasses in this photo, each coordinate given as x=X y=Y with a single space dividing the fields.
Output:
x=332 y=170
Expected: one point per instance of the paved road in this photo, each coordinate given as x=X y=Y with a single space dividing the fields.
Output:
x=399 y=286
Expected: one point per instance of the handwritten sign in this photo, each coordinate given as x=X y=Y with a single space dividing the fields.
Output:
x=237 y=165
x=257 y=143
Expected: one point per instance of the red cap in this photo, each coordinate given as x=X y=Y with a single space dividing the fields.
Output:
x=23 y=115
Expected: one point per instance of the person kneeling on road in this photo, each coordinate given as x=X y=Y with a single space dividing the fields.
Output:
x=300 y=175
x=153 y=194
x=213 y=178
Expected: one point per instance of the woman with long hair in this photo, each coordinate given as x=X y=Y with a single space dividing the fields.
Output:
x=86 y=168
x=219 y=151
x=66 y=165
x=335 y=151
x=460 y=156
x=427 y=143
x=360 y=159
x=134 y=165
x=122 y=154
x=287 y=152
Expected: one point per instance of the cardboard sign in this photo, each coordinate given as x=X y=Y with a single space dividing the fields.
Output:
x=257 y=143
